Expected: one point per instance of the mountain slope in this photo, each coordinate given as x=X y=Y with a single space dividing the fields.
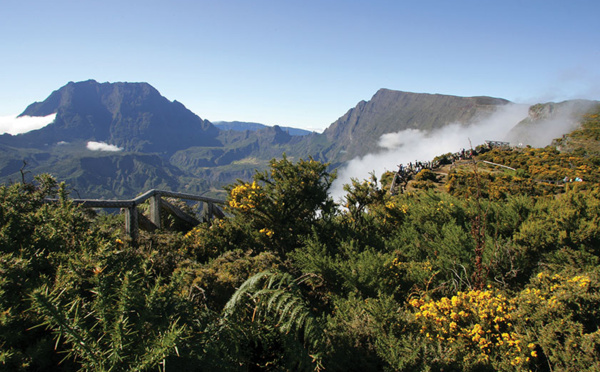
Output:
x=547 y=121
x=357 y=132
x=133 y=116
x=241 y=126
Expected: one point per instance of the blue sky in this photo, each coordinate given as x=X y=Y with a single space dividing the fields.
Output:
x=301 y=63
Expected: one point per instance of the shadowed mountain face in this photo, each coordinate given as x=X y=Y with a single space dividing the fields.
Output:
x=357 y=132
x=133 y=116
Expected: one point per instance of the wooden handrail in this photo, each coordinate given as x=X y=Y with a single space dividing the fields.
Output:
x=101 y=203
x=156 y=204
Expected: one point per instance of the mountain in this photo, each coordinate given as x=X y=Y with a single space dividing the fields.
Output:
x=357 y=132
x=547 y=121
x=241 y=126
x=132 y=116
x=144 y=125
x=159 y=143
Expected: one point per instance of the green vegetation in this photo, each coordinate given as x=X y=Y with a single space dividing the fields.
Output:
x=497 y=270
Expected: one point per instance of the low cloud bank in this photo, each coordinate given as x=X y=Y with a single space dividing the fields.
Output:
x=553 y=120
x=414 y=145
x=102 y=146
x=16 y=125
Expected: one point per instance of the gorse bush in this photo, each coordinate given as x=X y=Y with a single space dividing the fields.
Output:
x=559 y=313
x=277 y=208
x=472 y=328
x=496 y=271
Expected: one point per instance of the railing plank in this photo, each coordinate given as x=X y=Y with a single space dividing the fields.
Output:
x=133 y=216
x=180 y=195
x=179 y=213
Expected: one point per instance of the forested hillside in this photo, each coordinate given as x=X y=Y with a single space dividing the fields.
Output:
x=474 y=267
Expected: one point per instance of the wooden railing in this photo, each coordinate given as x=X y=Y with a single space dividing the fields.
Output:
x=134 y=219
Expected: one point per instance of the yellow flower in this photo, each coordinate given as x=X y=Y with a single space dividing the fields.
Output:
x=267 y=232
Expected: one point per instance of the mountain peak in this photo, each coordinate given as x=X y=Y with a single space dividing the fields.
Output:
x=134 y=116
x=85 y=93
x=388 y=111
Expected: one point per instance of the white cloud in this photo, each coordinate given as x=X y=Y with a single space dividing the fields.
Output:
x=314 y=129
x=15 y=125
x=102 y=146
x=414 y=145
x=553 y=120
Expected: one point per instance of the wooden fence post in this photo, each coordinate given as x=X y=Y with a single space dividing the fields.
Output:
x=209 y=211
x=155 y=210
x=131 y=222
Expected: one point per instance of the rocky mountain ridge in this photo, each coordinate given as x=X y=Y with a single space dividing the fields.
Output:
x=242 y=126
x=164 y=144
x=356 y=133
x=132 y=116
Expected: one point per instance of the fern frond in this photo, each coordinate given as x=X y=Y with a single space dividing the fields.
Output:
x=276 y=298
x=245 y=291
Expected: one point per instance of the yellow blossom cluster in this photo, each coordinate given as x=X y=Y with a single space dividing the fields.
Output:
x=391 y=206
x=560 y=282
x=479 y=320
x=391 y=213
x=267 y=232
x=246 y=196
x=215 y=224
x=424 y=265
x=558 y=287
x=442 y=205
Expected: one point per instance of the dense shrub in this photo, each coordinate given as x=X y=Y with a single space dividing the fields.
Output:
x=499 y=273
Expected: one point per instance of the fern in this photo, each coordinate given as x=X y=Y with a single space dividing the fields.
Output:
x=274 y=297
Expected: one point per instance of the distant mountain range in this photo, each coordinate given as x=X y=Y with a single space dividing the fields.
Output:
x=164 y=145
x=242 y=126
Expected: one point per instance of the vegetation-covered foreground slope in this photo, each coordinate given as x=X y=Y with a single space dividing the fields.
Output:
x=495 y=269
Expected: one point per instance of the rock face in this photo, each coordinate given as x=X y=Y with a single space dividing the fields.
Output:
x=356 y=133
x=133 y=116
x=547 y=121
